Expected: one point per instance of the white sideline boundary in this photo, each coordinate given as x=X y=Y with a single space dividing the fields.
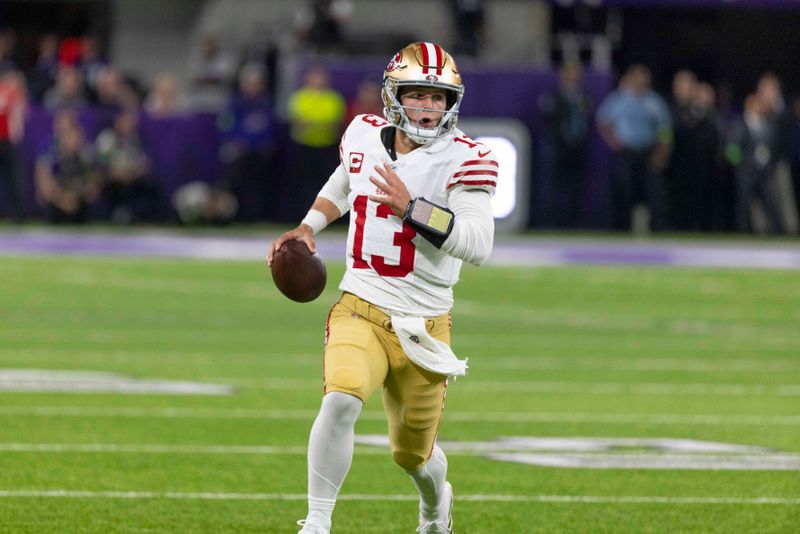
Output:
x=374 y=415
x=567 y=499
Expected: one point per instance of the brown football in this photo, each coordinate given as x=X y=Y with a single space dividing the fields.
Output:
x=297 y=273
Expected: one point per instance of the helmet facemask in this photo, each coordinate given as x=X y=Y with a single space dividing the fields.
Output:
x=395 y=112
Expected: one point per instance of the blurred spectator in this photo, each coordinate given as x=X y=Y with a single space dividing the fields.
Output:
x=113 y=92
x=69 y=51
x=635 y=123
x=318 y=24
x=752 y=149
x=44 y=73
x=8 y=42
x=366 y=102
x=132 y=195
x=13 y=103
x=212 y=73
x=249 y=145
x=200 y=203
x=91 y=64
x=165 y=99
x=692 y=171
x=683 y=86
x=713 y=193
x=67 y=178
x=469 y=20
x=769 y=89
x=566 y=113
x=795 y=149
x=68 y=90
x=316 y=112
x=63 y=119
x=728 y=116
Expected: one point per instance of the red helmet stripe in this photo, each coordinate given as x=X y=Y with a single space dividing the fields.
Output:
x=425 y=58
x=439 y=59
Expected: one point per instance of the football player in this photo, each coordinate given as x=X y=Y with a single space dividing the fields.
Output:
x=418 y=192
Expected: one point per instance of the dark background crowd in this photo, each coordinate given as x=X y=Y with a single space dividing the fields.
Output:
x=81 y=140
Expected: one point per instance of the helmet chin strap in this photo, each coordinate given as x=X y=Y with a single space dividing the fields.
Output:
x=418 y=133
x=428 y=134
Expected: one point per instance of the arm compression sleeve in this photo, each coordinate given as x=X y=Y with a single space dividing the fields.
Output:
x=336 y=189
x=473 y=230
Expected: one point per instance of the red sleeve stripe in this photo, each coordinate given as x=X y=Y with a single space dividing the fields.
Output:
x=480 y=162
x=473 y=182
x=475 y=173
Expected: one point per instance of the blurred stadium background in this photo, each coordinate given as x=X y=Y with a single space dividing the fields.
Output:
x=642 y=376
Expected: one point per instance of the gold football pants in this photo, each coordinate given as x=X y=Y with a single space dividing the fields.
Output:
x=362 y=353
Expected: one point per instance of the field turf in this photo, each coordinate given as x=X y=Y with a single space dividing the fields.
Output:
x=607 y=352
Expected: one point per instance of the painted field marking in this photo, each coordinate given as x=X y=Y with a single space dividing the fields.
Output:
x=618 y=453
x=572 y=452
x=157 y=448
x=555 y=387
x=208 y=496
x=374 y=415
x=53 y=357
x=67 y=381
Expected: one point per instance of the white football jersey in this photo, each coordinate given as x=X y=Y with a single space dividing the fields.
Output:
x=388 y=264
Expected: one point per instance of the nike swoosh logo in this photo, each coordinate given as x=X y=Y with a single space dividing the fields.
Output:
x=483 y=154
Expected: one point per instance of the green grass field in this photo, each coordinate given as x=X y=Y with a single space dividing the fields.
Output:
x=604 y=352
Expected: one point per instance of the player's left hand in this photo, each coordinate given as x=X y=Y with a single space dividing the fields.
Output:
x=395 y=195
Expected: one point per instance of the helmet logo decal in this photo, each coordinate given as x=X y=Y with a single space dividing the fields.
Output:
x=395 y=62
x=432 y=78
x=432 y=58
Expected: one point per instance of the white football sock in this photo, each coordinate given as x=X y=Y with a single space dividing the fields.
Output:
x=430 y=482
x=330 y=452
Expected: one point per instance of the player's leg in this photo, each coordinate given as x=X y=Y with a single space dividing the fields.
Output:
x=354 y=368
x=413 y=399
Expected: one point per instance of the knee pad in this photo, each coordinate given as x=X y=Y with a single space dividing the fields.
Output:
x=347 y=378
x=341 y=406
x=407 y=460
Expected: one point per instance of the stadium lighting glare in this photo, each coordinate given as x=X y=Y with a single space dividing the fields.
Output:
x=505 y=197
x=511 y=143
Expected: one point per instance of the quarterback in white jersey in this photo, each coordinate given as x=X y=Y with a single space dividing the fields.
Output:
x=388 y=263
x=418 y=193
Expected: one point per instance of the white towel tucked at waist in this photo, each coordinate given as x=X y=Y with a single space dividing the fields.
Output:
x=425 y=350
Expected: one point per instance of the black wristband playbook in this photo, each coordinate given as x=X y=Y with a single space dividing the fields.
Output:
x=431 y=221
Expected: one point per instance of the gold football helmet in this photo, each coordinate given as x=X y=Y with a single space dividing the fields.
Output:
x=422 y=64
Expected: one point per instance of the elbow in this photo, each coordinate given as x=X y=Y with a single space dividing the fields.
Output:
x=479 y=260
x=482 y=252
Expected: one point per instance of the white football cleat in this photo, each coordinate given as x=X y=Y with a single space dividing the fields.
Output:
x=441 y=526
x=311 y=529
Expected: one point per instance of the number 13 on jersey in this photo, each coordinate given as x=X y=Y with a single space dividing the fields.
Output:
x=402 y=239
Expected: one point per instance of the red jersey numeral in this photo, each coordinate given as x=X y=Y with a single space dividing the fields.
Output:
x=466 y=140
x=374 y=120
x=402 y=239
x=360 y=207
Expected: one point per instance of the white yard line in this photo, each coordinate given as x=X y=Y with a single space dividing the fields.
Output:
x=540 y=386
x=374 y=415
x=589 y=499
x=163 y=448
x=690 y=364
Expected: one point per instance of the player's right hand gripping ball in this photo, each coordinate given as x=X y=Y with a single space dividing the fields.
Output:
x=297 y=273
